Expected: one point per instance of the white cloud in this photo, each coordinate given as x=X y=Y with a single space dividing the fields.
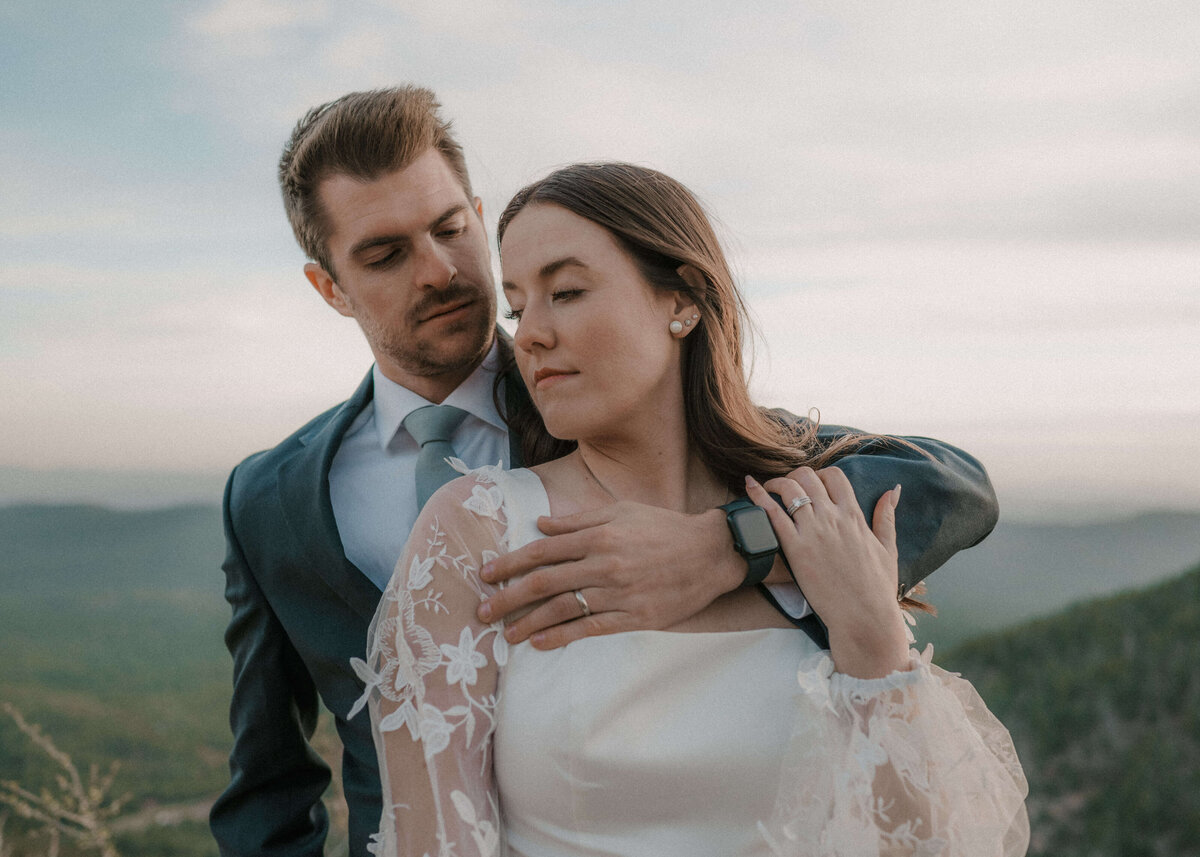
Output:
x=980 y=219
x=1055 y=369
x=251 y=25
x=172 y=369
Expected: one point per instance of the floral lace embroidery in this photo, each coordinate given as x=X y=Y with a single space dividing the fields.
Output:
x=429 y=687
x=909 y=764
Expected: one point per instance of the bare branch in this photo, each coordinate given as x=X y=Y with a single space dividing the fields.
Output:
x=80 y=811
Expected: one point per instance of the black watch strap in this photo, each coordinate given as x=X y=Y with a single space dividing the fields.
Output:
x=758 y=567
x=759 y=558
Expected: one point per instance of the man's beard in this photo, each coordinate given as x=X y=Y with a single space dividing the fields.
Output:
x=427 y=358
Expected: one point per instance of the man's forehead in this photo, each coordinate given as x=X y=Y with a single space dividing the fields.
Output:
x=410 y=198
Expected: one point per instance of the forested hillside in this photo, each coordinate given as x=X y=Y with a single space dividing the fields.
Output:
x=110 y=639
x=1103 y=702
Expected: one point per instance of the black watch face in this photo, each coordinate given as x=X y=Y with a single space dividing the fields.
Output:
x=754 y=529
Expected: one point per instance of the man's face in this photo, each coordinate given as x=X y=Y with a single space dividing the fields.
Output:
x=413 y=270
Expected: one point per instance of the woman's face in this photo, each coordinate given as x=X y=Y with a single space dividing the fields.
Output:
x=593 y=342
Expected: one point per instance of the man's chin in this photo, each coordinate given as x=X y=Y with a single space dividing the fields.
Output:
x=454 y=351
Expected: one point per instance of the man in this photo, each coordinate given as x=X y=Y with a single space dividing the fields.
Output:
x=377 y=193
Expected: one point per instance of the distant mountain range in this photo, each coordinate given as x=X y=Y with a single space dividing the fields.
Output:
x=54 y=550
x=123 y=489
x=1020 y=571
x=1025 y=570
x=111 y=621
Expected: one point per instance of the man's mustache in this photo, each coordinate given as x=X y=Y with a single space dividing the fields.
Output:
x=434 y=302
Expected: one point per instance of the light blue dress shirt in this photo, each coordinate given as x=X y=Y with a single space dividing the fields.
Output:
x=372 y=480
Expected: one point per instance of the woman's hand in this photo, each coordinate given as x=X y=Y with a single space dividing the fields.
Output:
x=846 y=570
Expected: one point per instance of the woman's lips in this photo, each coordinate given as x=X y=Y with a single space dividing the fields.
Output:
x=544 y=378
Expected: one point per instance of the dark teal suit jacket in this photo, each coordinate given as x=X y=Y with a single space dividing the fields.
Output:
x=301 y=612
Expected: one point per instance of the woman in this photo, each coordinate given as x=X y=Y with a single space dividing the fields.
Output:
x=731 y=733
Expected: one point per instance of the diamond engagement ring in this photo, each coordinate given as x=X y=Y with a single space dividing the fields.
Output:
x=587 y=611
x=797 y=504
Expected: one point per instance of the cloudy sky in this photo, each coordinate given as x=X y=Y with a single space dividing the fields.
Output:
x=979 y=222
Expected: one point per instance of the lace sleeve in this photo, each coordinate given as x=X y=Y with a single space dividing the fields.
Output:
x=912 y=763
x=431 y=680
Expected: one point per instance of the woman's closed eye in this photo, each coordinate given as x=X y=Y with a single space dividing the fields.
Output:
x=566 y=295
x=559 y=296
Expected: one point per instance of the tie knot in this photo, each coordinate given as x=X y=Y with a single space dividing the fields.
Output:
x=434 y=423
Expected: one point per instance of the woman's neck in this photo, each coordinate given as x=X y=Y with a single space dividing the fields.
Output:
x=656 y=466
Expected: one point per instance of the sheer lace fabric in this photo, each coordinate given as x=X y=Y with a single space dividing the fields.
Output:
x=431 y=675
x=909 y=764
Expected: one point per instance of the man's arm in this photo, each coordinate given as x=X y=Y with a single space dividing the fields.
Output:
x=648 y=568
x=273 y=802
x=949 y=503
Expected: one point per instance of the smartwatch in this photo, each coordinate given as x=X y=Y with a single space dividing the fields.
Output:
x=753 y=538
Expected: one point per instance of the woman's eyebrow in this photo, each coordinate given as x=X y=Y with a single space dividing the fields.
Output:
x=551 y=268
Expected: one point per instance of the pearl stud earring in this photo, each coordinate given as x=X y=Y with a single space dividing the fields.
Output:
x=676 y=327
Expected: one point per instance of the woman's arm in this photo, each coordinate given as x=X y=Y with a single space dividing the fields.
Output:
x=890 y=755
x=431 y=681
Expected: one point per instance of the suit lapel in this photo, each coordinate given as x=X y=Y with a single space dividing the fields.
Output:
x=304 y=486
x=304 y=497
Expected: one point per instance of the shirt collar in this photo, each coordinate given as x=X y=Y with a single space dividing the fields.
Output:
x=393 y=403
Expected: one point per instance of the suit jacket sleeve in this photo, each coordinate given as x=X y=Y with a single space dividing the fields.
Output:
x=947 y=502
x=273 y=802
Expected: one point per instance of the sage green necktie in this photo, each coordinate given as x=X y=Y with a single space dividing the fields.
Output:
x=432 y=426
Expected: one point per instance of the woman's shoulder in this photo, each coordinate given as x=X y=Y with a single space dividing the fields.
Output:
x=486 y=493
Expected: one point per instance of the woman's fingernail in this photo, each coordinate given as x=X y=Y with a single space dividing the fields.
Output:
x=751 y=482
x=486 y=572
x=485 y=612
x=896 y=494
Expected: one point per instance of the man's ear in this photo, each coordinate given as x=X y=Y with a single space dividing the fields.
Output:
x=478 y=206
x=327 y=288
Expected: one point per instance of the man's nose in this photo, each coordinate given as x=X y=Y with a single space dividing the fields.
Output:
x=434 y=269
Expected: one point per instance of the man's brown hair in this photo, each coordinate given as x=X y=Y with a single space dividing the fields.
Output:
x=363 y=135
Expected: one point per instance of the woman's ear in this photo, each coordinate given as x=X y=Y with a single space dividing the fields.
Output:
x=692 y=275
x=684 y=312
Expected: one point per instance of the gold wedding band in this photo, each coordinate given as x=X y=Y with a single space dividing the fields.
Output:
x=797 y=504
x=587 y=611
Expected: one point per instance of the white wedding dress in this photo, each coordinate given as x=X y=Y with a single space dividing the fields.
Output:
x=652 y=742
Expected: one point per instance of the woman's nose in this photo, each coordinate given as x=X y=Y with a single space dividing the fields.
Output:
x=534 y=329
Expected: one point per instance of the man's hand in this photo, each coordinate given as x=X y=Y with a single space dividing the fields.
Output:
x=638 y=568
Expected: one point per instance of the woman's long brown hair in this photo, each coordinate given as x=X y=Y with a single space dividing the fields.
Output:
x=662 y=226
